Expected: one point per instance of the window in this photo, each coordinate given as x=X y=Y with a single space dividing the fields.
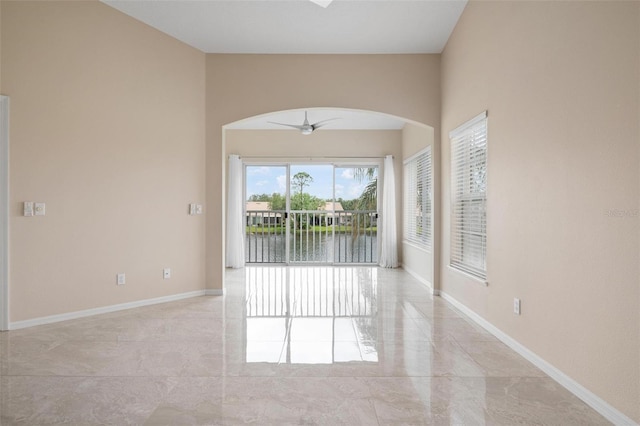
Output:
x=469 y=197
x=417 y=199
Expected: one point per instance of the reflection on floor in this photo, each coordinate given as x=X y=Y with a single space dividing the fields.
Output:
x=311 y=315
x=297 y=345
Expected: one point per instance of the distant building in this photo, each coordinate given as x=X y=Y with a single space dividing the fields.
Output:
x=335 y=213
x=259 y=213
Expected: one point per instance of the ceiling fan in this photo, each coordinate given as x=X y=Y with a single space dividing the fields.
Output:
x=306 y=128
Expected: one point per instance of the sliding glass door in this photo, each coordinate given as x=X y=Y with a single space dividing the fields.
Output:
x=356 y=215
x=311 y=213
x=266 y=214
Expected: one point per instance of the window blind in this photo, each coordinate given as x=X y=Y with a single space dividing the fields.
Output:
x=418 y=196
x=469 y=197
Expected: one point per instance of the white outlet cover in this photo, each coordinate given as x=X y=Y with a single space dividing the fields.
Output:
x=166 y=273
x=198 y=208
x=40 y=209
x=192 y=209
x=120 y=279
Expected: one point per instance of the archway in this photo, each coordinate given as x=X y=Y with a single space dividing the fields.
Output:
x=369 y=135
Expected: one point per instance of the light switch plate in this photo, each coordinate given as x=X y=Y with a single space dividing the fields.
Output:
x=166 y=273
x=198 y=208
x=39 y=209
x=28 y=208
x=120 y=279
x=516 y=306
x=192 y=209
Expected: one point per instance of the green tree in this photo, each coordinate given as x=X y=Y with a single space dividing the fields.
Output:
x=346 y=204
x=277 y=202
x=259 y=197
x=300 y=180
x=368 y=200
x=304 y=201
x=301 y=200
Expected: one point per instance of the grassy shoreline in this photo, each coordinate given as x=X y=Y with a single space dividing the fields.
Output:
x=281 y=230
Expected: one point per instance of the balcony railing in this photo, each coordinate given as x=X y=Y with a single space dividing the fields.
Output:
x=266 y=236
x=315 y=236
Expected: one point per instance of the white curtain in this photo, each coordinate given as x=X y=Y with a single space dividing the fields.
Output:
x=388 y=234
x=235 y=217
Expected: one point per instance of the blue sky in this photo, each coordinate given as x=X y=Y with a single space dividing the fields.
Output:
x=270 y=179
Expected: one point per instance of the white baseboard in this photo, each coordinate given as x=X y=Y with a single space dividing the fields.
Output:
x=415 y=275
x=214 y=292
x=591 y=399
x=103 y=310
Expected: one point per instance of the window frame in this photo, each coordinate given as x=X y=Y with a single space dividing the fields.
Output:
x=468 y=209
x=420 y=167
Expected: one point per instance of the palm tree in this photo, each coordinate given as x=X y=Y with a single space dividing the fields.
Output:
x=367 y=201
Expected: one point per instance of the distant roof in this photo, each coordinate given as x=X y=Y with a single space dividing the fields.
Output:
x=258 y=205
x=265 y=205
x=329 y=205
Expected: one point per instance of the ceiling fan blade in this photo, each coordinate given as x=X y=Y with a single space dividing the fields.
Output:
x=295 y=126
x=323 y=122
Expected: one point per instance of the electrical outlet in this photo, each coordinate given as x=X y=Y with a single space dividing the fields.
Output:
x=166 y=273
x=39 y=209
x=120 y=279
x=516 y=306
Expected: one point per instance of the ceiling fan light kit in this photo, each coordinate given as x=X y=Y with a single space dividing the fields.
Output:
x=322 y=3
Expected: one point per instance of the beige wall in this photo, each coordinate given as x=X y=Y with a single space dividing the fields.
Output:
x=416 y=260
x=241 y=86
x=1 y=92
x=107 y=128
x=288 y=144
x=560 y=81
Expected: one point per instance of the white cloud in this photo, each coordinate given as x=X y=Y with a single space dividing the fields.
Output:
x=282 y=183
x=262 y=183
x=355 y=189
x=347 y=174
x=258 y=170
x=339 y=190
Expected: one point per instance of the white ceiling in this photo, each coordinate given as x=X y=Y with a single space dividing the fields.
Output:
x=301 y=26
x=347 y=119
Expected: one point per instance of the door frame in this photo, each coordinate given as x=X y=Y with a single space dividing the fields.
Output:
x=335 y=163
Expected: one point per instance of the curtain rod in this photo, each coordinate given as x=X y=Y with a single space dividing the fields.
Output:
x=305 y=157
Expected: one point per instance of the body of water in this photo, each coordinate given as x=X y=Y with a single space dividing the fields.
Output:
x=311 y=248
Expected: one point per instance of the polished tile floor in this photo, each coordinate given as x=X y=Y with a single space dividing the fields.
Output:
x=297 y=345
